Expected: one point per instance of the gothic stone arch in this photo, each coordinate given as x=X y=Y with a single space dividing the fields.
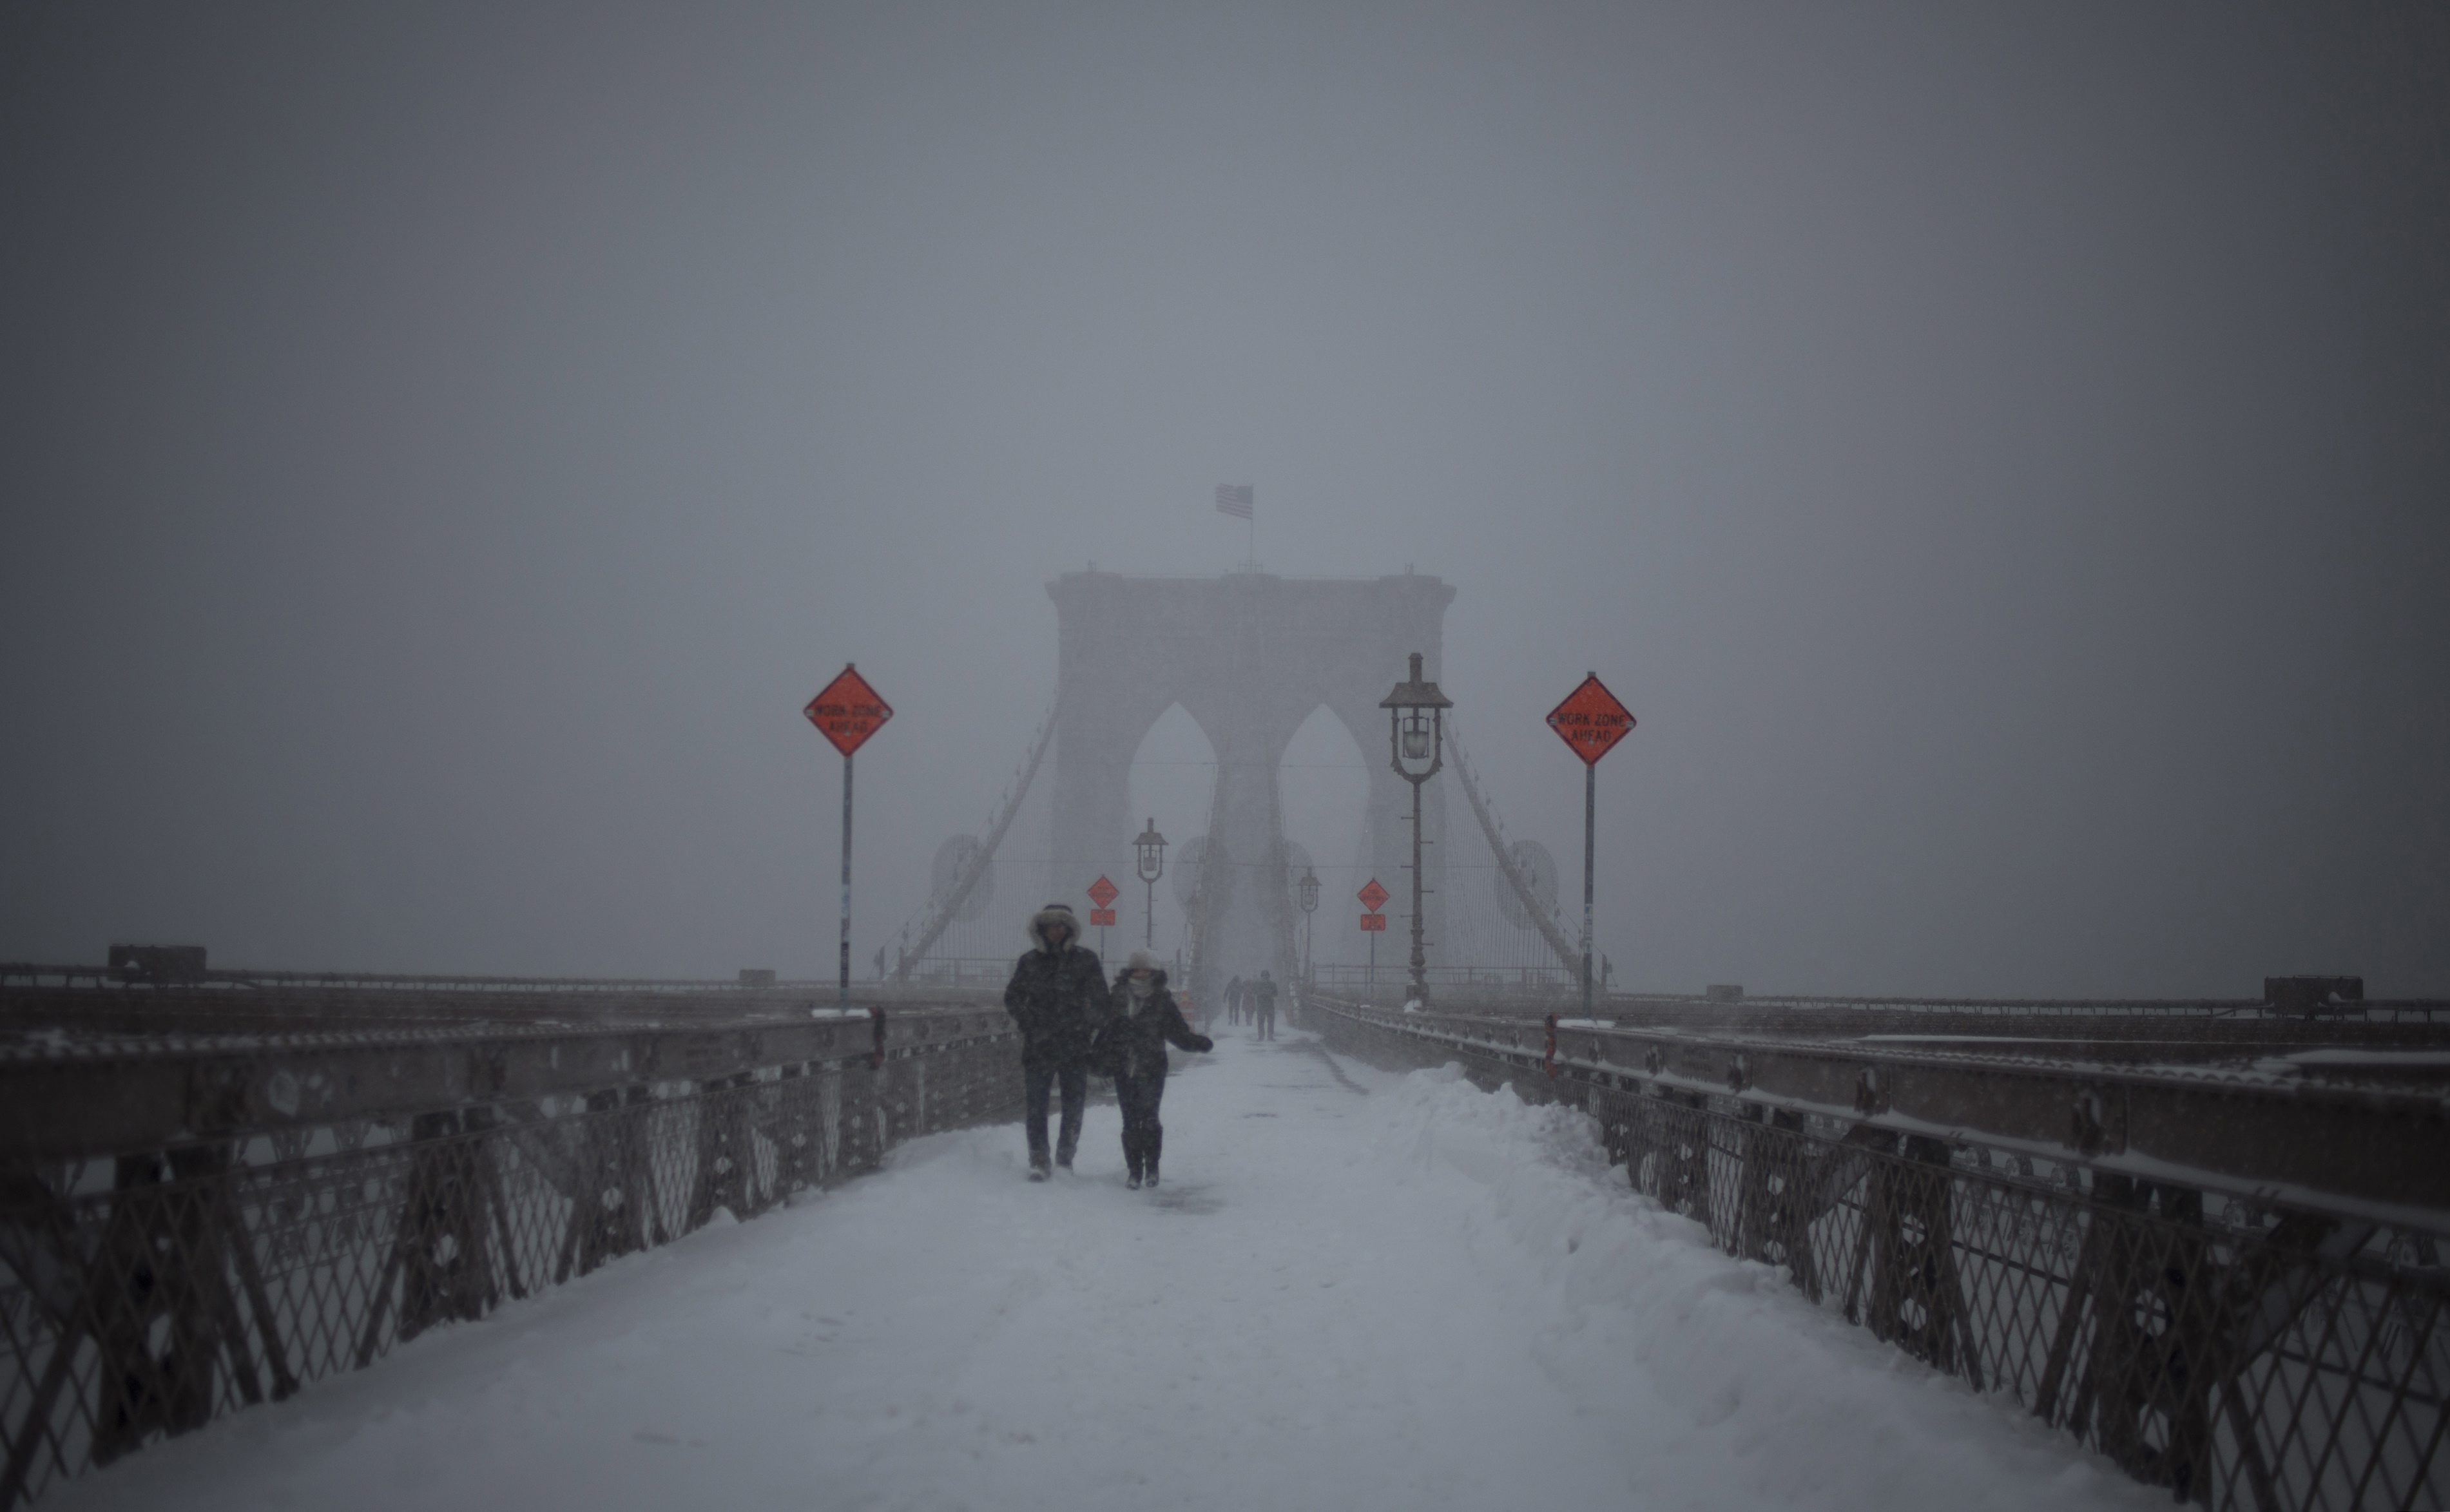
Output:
x=1248 y=655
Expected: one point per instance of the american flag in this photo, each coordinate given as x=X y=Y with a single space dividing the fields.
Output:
x=1235 y=500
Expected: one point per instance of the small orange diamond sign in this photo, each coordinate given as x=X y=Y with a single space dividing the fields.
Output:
x=847 y=712
x=1102 y=892
x=1591 y=720
x=1372 y=896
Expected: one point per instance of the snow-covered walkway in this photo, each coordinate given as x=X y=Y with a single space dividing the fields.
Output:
x=1356 y=1290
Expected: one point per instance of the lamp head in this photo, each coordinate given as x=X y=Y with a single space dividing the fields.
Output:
x=1416 y=733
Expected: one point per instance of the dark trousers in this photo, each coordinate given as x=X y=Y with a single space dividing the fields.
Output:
x=1266 y=1019
x=1143 y=1136
x=1038 y=1080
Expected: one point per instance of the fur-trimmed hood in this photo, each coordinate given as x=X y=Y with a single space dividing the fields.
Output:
x=1051 y=914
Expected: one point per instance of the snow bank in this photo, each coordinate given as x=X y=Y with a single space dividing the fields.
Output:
x=1729 y=1389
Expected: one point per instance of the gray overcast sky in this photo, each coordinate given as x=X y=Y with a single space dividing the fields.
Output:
x=1999 y=453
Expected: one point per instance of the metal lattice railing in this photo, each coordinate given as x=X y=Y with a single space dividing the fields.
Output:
x=2252 y=1354
x=146 y=1293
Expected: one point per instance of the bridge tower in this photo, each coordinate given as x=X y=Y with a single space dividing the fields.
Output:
x=1248 y=655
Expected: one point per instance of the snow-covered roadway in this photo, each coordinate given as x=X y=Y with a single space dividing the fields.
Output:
x=1356 y=1290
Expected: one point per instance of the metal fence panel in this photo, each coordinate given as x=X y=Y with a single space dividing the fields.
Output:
x=145 y=1293
x=2262 y=1355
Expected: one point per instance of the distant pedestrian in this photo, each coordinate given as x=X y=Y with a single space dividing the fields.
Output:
x=1233 y=1001
x=1263 y=1006
x=1131 y=1046
x=1058 y=996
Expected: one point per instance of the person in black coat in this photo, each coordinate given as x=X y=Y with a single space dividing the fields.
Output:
x=1262 y=994
x=1058 y=996
x=1132 y=1049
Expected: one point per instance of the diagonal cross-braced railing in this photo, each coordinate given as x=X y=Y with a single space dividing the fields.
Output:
x=244 y=1222
x=2243 y=1348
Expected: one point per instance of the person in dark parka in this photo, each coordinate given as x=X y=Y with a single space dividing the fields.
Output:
x=1262 y=993
x=1058 y=996
x=1132 y=1046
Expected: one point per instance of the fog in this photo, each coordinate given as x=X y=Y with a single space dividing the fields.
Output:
x=1999 y=455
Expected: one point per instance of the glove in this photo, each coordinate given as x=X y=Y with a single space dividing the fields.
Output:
x=1205 y=1044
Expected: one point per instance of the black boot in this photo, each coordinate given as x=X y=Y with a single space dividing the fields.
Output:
x=1152 y=1144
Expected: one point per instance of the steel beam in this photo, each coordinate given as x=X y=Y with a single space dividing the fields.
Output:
x=2266 y=1131
x=123 y=1098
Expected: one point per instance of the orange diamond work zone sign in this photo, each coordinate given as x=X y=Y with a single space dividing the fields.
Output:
x=1102 y=892
x=1591 y=720
x=847 y=712
x=1372 y=896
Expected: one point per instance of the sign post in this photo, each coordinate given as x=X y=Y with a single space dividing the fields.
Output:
x=1374 y=924
x=1101 y=911
x=847 y=714
x=1591 y=720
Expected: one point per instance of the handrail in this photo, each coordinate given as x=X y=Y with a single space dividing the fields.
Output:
x=187 y=1231
x=2246 y=1346
x=2288 y=1127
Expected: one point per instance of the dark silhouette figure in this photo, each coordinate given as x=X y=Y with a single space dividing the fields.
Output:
x=1262 y=993
x=1058 y=996
x=1131 y=1046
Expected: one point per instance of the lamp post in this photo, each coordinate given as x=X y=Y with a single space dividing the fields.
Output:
x=1308 y=890
x=1150 y=851
x=1416 y=741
